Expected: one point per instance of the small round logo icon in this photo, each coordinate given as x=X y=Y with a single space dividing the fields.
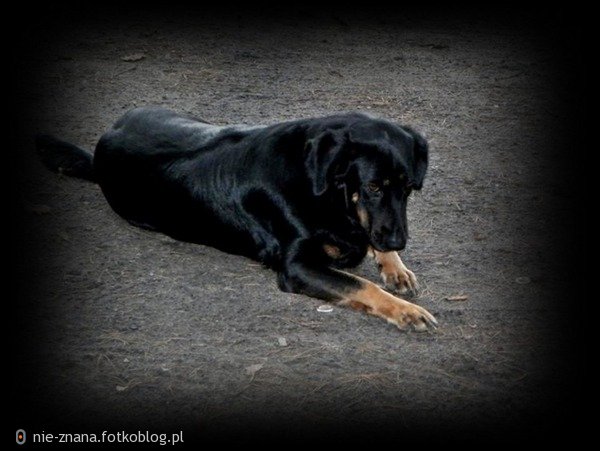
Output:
x=20 y=436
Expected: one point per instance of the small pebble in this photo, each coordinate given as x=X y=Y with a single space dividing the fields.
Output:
x=253 y=369
x=282 y=341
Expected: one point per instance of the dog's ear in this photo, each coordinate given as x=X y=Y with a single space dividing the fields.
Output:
x=420 y=158
x=323 y=157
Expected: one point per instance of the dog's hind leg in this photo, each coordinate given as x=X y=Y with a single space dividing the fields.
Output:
x=265 y=217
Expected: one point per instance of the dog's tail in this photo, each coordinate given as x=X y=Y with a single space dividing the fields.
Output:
x=64 y=158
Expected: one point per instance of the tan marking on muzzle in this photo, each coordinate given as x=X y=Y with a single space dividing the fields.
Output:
x=363 y=217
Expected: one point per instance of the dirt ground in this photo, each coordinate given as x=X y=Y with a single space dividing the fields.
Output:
x=132 y=329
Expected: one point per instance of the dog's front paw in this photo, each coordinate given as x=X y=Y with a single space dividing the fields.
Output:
x=394 y=274
x=399 y=277
x=407 y=315
x=374 y=300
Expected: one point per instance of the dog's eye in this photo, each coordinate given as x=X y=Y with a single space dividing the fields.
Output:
x=373 y=187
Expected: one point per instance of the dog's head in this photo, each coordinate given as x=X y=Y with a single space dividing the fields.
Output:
x=375 y=165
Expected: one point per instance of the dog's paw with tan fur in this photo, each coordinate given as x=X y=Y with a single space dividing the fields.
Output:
x=395 y=274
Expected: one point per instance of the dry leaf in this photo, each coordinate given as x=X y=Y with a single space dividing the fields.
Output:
x=134 y=57
x=39 y=209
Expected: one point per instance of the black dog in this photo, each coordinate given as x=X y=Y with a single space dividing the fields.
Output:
x=303 y=197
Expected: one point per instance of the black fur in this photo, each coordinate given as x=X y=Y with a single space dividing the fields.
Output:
x=276 y=194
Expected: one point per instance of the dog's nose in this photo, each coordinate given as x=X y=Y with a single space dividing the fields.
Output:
x=390 y=241
x=395 y=243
